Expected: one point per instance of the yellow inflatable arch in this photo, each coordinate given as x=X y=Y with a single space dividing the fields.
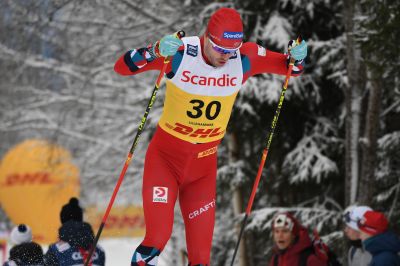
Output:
x=36 y=179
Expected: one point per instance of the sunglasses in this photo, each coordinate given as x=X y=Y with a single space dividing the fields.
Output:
x=223 y=50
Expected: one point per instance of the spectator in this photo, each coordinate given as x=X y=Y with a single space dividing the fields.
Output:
x=381 y=243
x=292 y=243
x=25 y=251
x=357 y=255
x=76 y=238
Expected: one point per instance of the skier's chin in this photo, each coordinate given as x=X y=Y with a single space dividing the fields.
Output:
x=219 y=63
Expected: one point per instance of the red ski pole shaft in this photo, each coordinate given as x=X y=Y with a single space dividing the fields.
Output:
x=265 y=153
x=179 y=34
x=270 y=136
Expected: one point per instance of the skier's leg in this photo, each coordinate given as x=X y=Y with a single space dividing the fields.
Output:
x=159 y=194
x=197 y=201
x=145 y=256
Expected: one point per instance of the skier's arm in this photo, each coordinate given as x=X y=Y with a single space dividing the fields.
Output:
x=256 y=60
x=152 y=57
x=136 y=61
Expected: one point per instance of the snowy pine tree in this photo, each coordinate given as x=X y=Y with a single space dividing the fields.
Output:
x=58 y=83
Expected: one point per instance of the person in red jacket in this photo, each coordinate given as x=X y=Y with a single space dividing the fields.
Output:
x=204 y=76
x=293 y=246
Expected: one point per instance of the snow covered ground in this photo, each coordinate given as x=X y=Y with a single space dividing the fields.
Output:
x=118 y=251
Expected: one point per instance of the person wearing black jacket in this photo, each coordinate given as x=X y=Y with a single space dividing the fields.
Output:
x=383 y=244
x=75 y=239
x=25 y=251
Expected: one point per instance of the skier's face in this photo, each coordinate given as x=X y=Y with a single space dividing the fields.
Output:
x=364 y=235
x=351 y=233
x=215 y=55
x=283 y=237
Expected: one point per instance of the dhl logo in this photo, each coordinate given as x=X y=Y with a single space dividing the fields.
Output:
x=39 y=178
x=198 y=133
x=207 y=152
x=125 y=221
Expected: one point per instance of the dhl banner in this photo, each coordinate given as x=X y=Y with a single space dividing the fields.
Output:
x=3 y=250
x=36 y=179
x=123 y=221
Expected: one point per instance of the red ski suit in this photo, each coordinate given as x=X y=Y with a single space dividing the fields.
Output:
x=177 y=166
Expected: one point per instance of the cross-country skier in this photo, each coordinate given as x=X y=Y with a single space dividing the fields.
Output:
x=204 y=76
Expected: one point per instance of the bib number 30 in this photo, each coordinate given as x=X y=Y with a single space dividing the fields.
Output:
x=211 y=110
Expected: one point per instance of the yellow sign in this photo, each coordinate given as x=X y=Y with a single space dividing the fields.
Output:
x=36 y=179
x=123 y=221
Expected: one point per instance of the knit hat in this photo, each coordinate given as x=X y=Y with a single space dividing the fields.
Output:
x=373 y=223
x=353 y=214
x=286 y=220
x=71 y=211
x=21 y=234
x=225 y=28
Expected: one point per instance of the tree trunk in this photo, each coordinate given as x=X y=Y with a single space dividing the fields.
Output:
x=353 y=100
x=370 y=140
x=237 y=199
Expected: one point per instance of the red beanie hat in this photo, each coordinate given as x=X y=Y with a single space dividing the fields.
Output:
x=225 y=28
x=286 y=220
x=373 y=223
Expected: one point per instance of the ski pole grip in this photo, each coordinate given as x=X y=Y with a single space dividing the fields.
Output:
x=180 y=34
x=299 y=39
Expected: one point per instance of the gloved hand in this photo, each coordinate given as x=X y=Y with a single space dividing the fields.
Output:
x=297 y=51
x=168 y=45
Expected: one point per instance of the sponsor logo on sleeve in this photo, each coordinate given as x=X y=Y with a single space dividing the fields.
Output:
x=261 y=51
x=160 y=194
x=192 y=50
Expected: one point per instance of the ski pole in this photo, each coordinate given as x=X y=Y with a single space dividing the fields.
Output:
x=178 y=34
x=265 y=152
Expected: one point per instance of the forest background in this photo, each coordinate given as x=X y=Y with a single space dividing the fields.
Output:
x=337 y=141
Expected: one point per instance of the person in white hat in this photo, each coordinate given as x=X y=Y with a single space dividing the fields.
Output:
x=357 y=255
x=24 y=251
x=21 y=234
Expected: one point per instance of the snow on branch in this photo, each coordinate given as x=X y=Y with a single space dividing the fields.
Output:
x=389 y=140
x=233 y=172
x=40 y=62
x=308 y=160
x=277 y=31
x=311 y=217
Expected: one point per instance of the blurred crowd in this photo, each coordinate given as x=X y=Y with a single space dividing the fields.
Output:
x=372 y=243
x=370 y=240
x=75 y=239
